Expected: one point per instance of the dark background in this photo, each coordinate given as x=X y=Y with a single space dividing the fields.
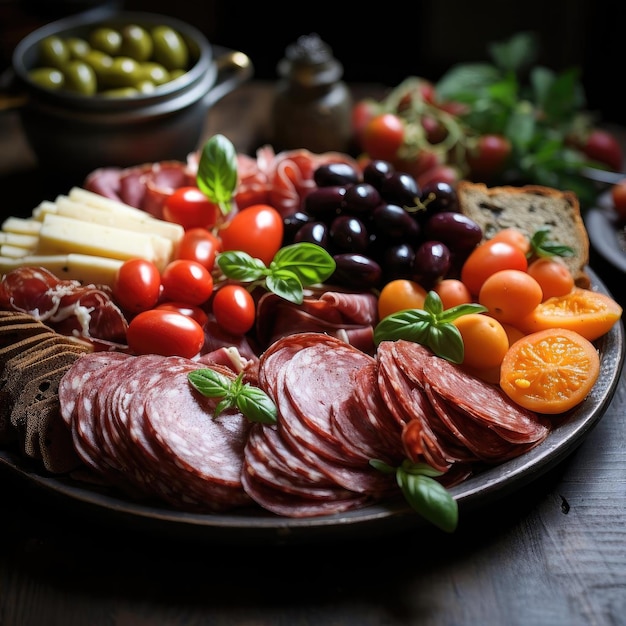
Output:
x=391 y=40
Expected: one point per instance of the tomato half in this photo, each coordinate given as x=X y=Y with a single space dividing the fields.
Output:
x=234 y=309
x=257 y=230
x=186 y=281
x=199 y=245
x=190 y=208
x=164 y=332
x=137 y=285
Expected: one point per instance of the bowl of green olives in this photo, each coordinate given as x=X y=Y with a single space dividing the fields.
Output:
x=119 y=89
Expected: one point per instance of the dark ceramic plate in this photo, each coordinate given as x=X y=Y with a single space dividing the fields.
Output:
x=607 y=235
x=254 y=526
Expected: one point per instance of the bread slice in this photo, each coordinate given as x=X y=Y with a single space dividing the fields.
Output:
x=530 y=208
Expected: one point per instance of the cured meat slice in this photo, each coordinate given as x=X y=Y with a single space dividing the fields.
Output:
x=193 y=444
x=484 y=402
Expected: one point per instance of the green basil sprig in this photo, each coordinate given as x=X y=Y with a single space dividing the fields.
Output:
x=425 y=495
x=292 y=268
x=431 y=326
x=217 y=172
x=253 y=402
x=541 y=246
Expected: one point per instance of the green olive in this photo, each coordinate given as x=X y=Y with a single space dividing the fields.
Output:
x=136 y=43
x=170 y=49
x=79 y=48
x=155 y=73
x=124 y=72
x=177 y=74
x=99 y=61
x=145 y=87
x=53 y=52
x=47 y=77
x=121 y=92
x=81 y=78
x=106 y=40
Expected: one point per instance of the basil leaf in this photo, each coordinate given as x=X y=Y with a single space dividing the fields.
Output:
x=217 y=172
x=430 y=499
x=541 y=247
x=256 y=405
x=253 y=402
x=285 y=284
x=308 y=261
x=446 y=339
x=409 y=324
x=240 y=266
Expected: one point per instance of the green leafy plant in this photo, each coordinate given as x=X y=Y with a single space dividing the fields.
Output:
x=292 y=268
x=423 y=493
x=217 y=172
x=431 y=326
x=252 y=401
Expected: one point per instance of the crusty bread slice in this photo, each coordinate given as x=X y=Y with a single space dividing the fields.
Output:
x=530 y=208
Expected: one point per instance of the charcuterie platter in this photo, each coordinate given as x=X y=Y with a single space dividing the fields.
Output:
x=257 y=526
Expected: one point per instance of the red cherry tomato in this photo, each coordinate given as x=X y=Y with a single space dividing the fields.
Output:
x=257 y=230
x=487 y=259
x=383 y=136
x=137 y=285
x=186 y=281
x=164 y=332
x=190 y=208
x=362 y=112
x=190 y=310
x=603 y=147
x=199 y=245
x=234 y=309
x=490 y=156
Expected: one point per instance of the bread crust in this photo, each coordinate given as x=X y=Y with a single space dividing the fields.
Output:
x=530 y=208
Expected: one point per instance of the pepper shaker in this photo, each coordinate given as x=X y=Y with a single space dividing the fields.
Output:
x=312 y=106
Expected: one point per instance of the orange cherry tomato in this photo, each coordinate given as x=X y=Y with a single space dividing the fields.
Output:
x=452 y=292
x=484 y=339
x=510 y=295
x=400 y=294
x=553 y=275
x=515 y=237
x=487 y=259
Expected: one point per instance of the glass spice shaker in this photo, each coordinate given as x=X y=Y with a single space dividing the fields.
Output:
x=312 y=105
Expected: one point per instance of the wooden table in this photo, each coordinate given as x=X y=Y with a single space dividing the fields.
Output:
x=551 y=553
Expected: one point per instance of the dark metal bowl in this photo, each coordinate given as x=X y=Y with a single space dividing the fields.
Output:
x=73 y=133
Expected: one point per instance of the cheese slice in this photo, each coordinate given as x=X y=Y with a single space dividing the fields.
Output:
x=21 y=225
x=95 y=200
x=139 y=223
x=87 y=269
x=62 y=235
x=13 y=251
x=19 y=240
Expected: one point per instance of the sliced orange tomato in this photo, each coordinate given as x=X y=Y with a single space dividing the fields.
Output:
x=550 y=371
x=589 y=313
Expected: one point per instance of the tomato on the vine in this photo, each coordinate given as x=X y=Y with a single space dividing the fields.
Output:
x=190 y=208
x=362 y=112
x=602 y=146
x=257 y=230
x=234 y=309
x=186 y=281
x=489 y=155
x=487 y=259
x=137 y=285
x=164 y=332
x=199 y=245
x=383 y=136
